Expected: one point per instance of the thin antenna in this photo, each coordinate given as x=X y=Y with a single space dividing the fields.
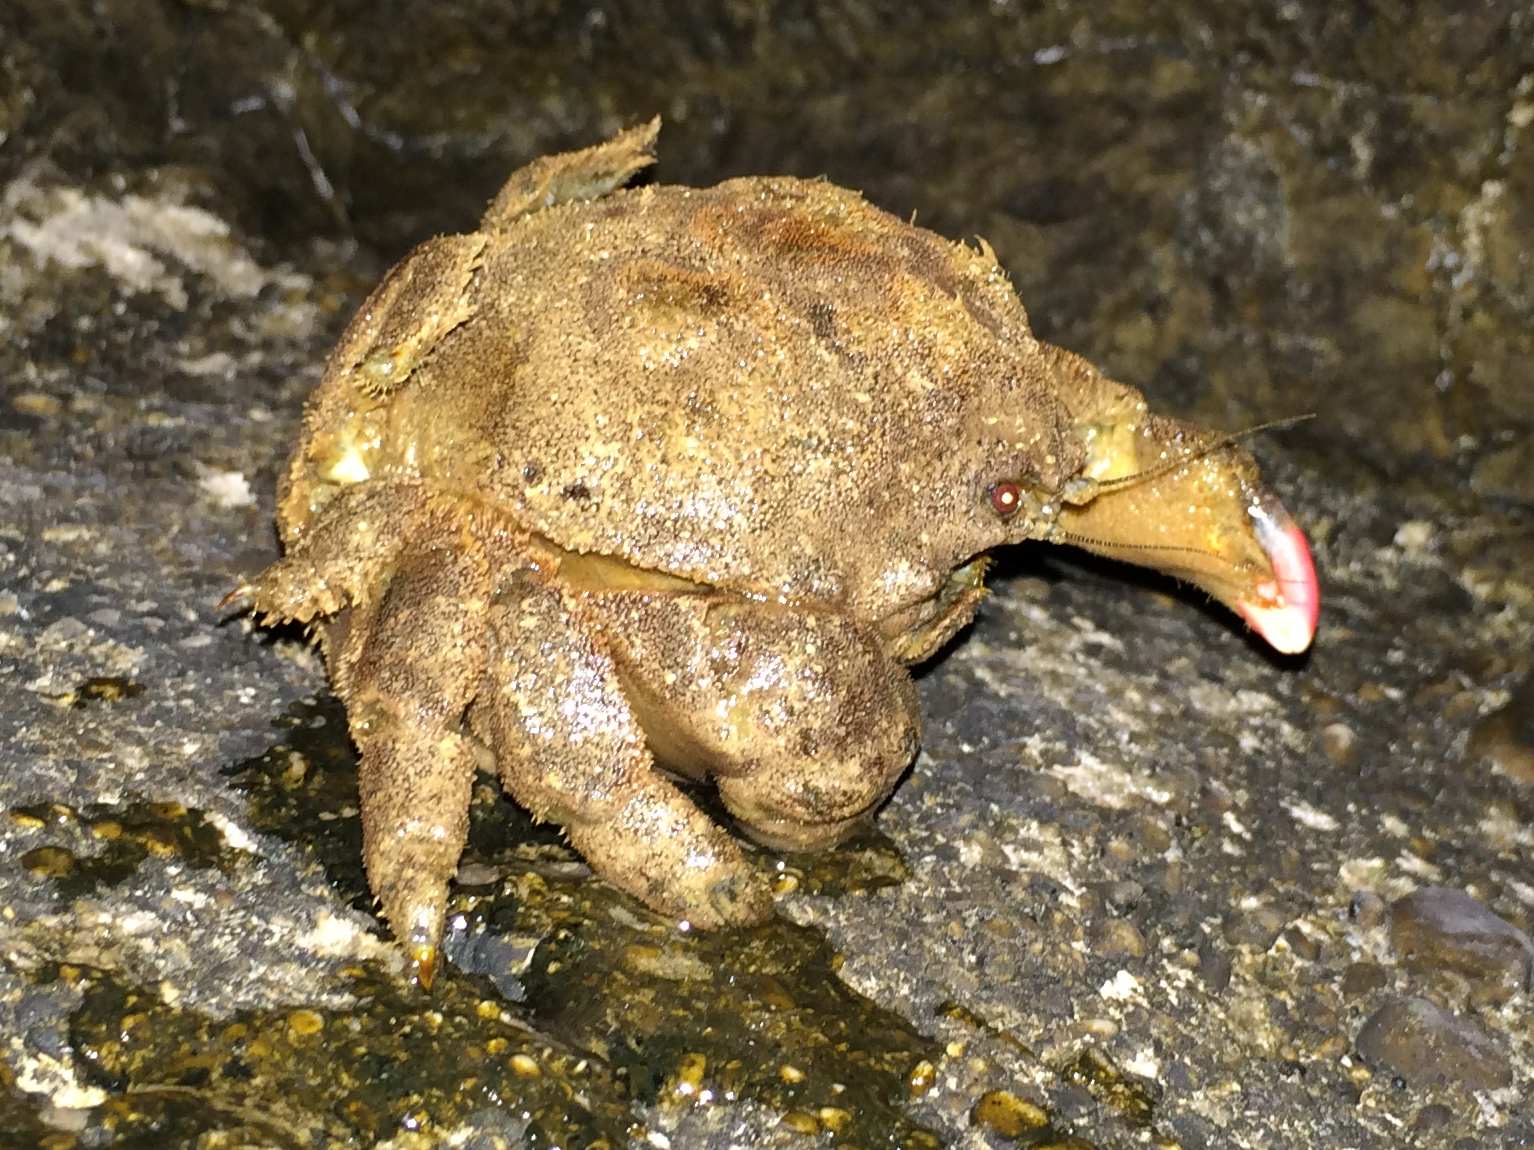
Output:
x=1208 y=449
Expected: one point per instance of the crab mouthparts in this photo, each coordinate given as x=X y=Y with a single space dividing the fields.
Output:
x=1284 y=607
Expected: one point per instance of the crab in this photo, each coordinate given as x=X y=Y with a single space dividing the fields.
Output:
x=638 y=485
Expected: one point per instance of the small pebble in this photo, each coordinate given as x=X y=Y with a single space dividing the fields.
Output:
x=1433 y=1117
x=1339 y=744
x=1214 y=966
x=1118 y=938
x=834 y=1118
x=1004 y=1113
x=801 y=1121
x=1362 y=978
x=1367 y=909
x=1258 y=928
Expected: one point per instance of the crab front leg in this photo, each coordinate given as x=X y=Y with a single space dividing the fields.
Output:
x=411 y=664
x=1170 y=495
x=570 y=749
x=399 y=587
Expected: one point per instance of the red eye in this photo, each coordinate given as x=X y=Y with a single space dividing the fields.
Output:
x=1006 y=498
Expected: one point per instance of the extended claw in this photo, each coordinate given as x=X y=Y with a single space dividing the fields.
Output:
x=1208 y=521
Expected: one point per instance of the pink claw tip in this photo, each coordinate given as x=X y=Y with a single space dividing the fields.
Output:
x=1283 y=609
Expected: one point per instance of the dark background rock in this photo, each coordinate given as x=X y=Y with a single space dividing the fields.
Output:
x=1252 y=213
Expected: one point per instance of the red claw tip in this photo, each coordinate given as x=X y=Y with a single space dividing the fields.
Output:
x=1283 y=609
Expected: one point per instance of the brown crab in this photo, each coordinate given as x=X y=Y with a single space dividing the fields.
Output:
x=690 y=476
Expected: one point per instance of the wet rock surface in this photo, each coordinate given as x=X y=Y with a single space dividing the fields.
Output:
x=1146 y=884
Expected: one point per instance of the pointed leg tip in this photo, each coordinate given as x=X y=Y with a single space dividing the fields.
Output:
x=423 y=964
x=239 y=594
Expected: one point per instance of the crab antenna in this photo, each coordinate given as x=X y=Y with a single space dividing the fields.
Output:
x=1200 y=452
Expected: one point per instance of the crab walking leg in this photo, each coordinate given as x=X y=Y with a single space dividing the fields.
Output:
x=571 y=751
x=410 y=666
x=341 y=559
x=568 y=176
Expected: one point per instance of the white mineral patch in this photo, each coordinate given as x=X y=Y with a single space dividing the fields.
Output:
x=1108 y=784
x=1414 y=536
x=1393 y=825
x=1309 y=816
x=1362 y=874
x=1122 y=987
x=1504 y=831
x=336 y=937
x=42 y=1074
x=1040 y=847
x=235 y=835
x=142 y=243
x=1145 y=1064
x=228 y=488
x=1416 y=865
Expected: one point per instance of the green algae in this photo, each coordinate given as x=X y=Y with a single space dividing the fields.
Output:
x=396 y=1063
x=105 y=689
x=108 y=842
x=673 y=1018
x=1133 y=1097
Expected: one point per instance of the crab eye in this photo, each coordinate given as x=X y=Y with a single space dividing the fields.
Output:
x=1006 y=498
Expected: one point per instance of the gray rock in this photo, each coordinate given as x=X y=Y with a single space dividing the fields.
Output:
x=1440 y=928
x=1427 y=1045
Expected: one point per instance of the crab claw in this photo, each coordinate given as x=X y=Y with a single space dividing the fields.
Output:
x=1208 y=521
x=1285 y=608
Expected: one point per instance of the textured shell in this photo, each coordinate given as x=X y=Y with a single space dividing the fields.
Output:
x=768 y=386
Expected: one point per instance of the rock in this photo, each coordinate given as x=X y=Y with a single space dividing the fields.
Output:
x=1362 y=978
x=1367 y=909
x=1439 y=928
x=1428 y=1046
x=1351 y=207
x=1339 y=742
x=1505 y=738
